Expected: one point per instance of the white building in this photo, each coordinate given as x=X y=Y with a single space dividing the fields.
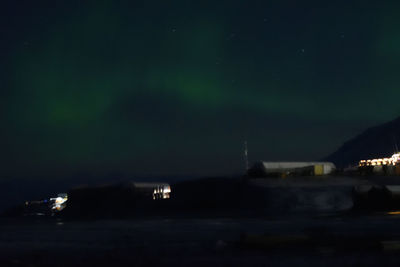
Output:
x=264 y=168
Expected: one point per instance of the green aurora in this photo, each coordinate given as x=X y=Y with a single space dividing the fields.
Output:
x=174 y=88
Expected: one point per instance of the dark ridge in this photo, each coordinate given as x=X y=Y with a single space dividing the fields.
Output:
x=378 y=141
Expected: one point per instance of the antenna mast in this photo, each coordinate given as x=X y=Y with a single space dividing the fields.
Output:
x=246 y=159
x=395 y=144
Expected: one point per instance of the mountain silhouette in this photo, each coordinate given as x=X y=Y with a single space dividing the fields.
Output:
x=376 y=142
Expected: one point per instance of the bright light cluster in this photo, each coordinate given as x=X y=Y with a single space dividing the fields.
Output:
x=59 y=202
x=394 y=160
x=162 y=192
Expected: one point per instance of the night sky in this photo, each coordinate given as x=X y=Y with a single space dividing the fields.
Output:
x=175 y=87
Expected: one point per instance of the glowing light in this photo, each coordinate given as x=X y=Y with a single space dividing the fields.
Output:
x=394 y=160
x=162 y=192
x=59 y=202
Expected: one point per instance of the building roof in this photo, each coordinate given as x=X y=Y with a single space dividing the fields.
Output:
x=291 y=165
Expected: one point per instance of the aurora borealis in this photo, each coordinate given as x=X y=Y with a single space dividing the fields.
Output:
x=175 y=87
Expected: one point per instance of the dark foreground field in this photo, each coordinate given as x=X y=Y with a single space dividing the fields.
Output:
x=262 y=222
x=372 y=240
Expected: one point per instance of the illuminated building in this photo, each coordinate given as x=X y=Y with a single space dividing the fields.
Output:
x=157 y=190
x=394 y=160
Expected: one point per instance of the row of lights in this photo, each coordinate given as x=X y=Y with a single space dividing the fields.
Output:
x=394 y=160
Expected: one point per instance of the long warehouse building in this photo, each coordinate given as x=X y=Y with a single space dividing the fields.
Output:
x=263 y=168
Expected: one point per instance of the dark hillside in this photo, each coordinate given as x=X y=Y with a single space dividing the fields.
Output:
x=378 y=141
